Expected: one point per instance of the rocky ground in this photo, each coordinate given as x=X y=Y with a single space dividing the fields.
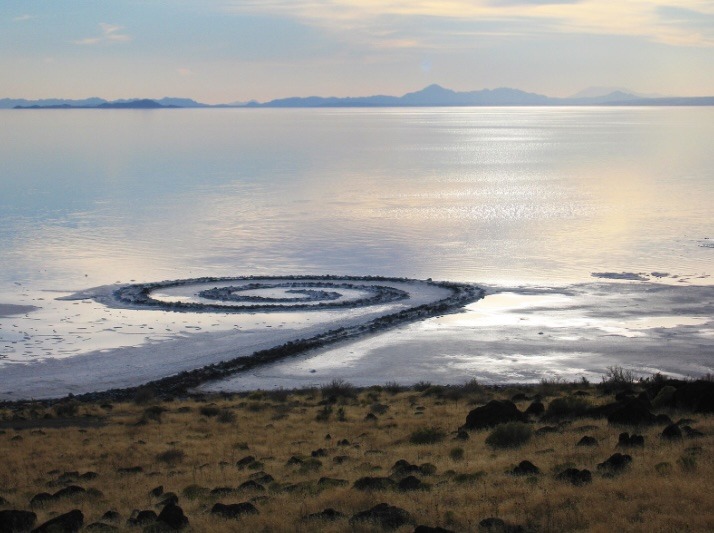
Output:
x=621 y=455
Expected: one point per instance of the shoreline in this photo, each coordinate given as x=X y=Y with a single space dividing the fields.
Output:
x=515 y=335
x=460 y=295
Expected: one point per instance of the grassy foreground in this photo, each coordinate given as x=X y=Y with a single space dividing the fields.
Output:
x=301 y=452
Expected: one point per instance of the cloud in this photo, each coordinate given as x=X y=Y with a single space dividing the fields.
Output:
x=184 y=71
x=23 y=18
x=111 y=33
x=365 y=20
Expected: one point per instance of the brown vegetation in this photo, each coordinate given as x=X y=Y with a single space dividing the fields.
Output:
x=297 y=454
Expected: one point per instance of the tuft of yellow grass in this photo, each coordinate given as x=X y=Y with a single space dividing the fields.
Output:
x=196 y=443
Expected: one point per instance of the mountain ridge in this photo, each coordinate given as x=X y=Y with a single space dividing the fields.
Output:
x=433 y=95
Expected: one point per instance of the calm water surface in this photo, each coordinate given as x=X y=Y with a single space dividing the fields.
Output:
x=503 y=196
x=493 y=195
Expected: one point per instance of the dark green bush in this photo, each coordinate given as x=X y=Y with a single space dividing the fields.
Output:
x=209 y=410
x=430 y=435
x=569 y=406
x=509 y=435
x=338 y=388
x=171 y=457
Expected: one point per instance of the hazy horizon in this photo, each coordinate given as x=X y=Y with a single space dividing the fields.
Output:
x=223 y=51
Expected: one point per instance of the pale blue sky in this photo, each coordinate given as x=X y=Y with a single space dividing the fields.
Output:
x=237 y=50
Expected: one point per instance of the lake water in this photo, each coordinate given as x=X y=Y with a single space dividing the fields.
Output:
x=501 y=196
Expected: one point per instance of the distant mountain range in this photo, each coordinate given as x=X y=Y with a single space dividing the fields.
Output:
x=431 y=96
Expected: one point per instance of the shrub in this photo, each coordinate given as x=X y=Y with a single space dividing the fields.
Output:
x=456 y=454
x=392 y=387
x=226 y=416
x=338 y=388
x=153 y=413
x=143 y=396
x=617 y=378
x=324 y=414
x=66 y=409
x=171 y=457
x=209 y=410
x=570 y=406
x=430 y=435
x=509 y=435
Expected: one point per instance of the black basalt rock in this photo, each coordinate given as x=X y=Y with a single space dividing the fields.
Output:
x=172 y=515
x=234 y=510
x=525 y=468
x=64 y=523
x=633 y=413
x=575 y=476
x=672 y=432
x=493 y=413
x=616 y=463
x=587 y=441
x=384 y=515
x=14 y=521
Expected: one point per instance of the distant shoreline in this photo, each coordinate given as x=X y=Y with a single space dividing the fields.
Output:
x=431 y=96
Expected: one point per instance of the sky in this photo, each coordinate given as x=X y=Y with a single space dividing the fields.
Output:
x=222 y=51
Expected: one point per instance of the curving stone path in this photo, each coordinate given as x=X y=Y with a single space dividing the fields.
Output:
x=302 y=312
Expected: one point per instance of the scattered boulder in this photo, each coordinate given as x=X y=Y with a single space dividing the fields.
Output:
x=141 y=518
x=545 y=430
x=493 y=413
x=65 y=523
x=427 y=469
x=536 y=408
x=497 y=525
x=328 y=482
x=697 y=396
x=172 y=515
x=404 y=468
x=234 y=510
x=633 y=413
x=691 y=432
x=664 y=398
x=12 y=520
x=326 y=514
x=262 y=478
x=371 y=417
x=617 y=462
x=575 y=476
x=368 y=483
x=320 y=452
x=130 y=470
x=101 y=527
x=3 y=501
x=429 y=529
x=156 y=491
x=461 y=435
x=168 y=498
x=626 y=440
x=245 y=462
x=525 y=468
x=40 y=499
x=384 y=515
x=68 y=492
x=672 y=432
x=222 y=491
x=587 y=441
x=410 y=483
x=251 y=485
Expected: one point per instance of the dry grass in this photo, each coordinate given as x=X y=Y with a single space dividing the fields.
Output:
x=186 y=443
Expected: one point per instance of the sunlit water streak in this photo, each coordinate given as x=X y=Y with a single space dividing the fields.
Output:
x=501 y=196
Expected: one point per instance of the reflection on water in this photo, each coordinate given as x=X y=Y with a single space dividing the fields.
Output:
x=498 y=195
